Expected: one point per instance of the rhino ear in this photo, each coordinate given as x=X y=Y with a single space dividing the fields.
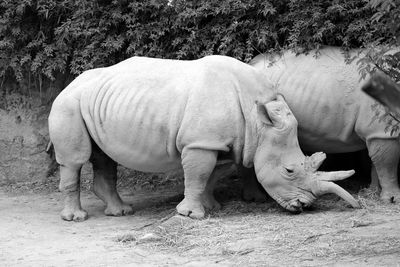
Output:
x=262 y=113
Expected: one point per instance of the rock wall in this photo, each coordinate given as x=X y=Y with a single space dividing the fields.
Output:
x=23 y=140
x=24 y=164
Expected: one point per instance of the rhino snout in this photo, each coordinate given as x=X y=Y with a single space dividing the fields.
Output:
x=296 y=206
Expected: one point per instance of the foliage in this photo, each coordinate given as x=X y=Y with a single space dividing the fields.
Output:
x=386 y=57
x=45 y=43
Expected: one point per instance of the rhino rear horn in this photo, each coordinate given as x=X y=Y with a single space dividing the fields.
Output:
x=315 y=161
x=335 y=176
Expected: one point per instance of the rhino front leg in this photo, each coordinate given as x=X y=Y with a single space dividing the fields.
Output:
x=197 y=165
x=385 y=157
x=105 y=183
x=223 y=170
x=207 y=199
x=252 y=189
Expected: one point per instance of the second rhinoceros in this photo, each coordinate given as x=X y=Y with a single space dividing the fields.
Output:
x=158 y=115
x=334 y=115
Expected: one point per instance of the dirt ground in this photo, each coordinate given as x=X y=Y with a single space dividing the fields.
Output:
x=241 y=234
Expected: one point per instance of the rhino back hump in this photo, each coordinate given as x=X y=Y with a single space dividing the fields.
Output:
x=324 y=94
x=133 y=117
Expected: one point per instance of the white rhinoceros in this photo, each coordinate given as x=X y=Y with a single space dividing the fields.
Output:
x=157 y=115
x=334 y=114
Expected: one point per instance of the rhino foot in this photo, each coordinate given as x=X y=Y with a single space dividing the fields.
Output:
x=119 y=210
x=210 y=203
x=390 y=196
x=191 y=208
x=78 y=215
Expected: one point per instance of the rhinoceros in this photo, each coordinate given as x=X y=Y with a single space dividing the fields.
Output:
x=334 y=115
x=159 y=115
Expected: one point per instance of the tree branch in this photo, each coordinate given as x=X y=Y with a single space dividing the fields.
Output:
x=384 y=90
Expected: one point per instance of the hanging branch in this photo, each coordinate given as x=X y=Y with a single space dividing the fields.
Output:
x=385 y=91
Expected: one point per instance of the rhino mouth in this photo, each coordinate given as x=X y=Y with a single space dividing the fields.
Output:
x=295 y=206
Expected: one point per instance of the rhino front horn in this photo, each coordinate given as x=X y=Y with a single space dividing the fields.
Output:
x=324 y=187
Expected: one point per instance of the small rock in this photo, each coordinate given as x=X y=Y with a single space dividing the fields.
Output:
x=126 y=238
x=175 y=220
x=149 y=237
x=359 y=223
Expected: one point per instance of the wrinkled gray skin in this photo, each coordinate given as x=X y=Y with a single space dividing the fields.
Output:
x=158 y=115
x=334 y=115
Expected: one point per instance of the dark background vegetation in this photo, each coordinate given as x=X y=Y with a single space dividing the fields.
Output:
x=46 y=43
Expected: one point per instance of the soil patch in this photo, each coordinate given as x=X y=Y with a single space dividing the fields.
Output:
x=254 y=234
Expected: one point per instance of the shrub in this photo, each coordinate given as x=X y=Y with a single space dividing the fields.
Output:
x=45 y=43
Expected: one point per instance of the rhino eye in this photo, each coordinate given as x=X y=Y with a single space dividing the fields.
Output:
x=290 y=171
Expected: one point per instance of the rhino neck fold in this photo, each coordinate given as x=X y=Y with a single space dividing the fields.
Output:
x=247 y=99
x=250 y=139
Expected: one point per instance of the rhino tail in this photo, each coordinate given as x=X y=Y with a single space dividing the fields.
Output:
x=50 y=148
x=53 y=165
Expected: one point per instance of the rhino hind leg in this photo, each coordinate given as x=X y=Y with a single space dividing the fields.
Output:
x=69 y=186
x=374 y=179
x=385 y=158
x=197 y=165
x=105 y=183
x=72 y=149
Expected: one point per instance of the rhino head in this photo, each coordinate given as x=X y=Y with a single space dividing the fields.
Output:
x=290 y=177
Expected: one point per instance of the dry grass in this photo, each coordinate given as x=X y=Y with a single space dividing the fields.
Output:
x=256 y=233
